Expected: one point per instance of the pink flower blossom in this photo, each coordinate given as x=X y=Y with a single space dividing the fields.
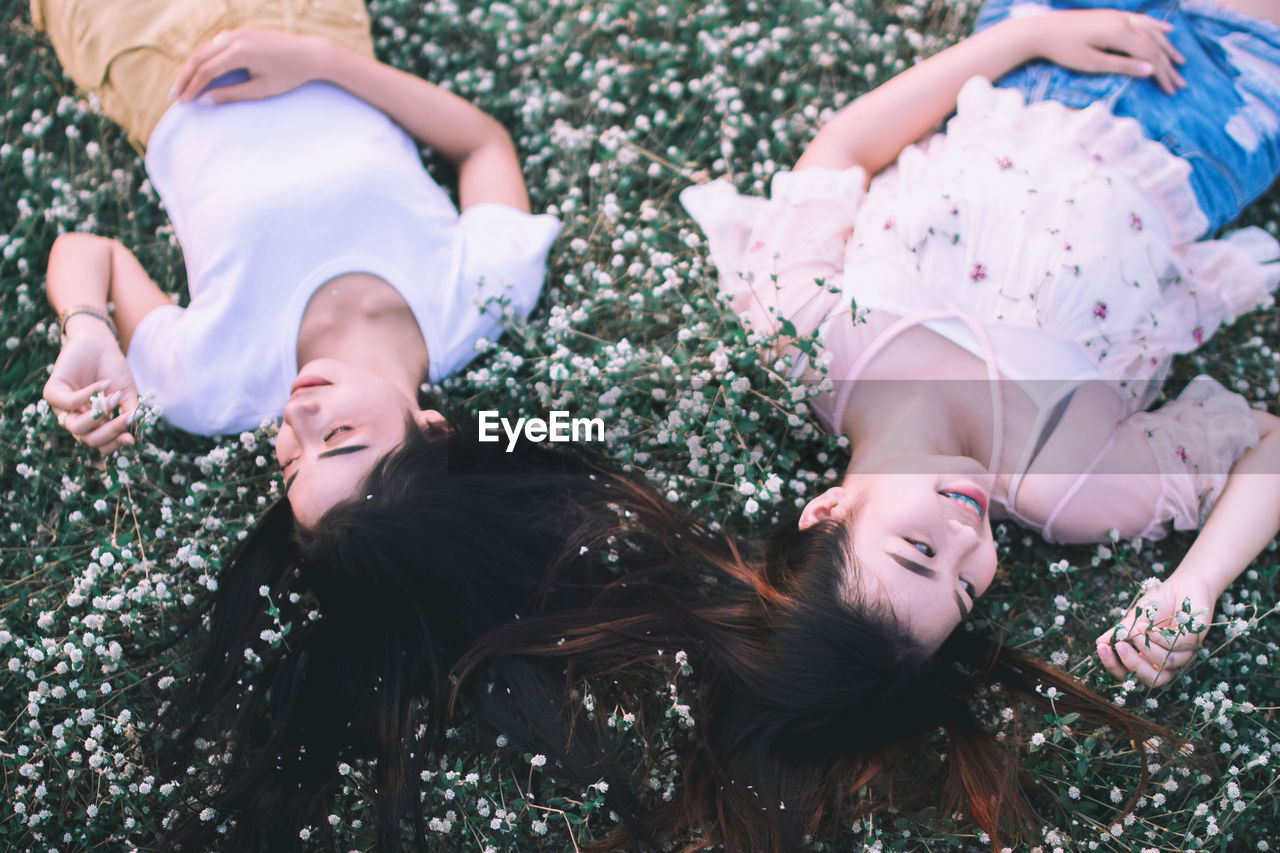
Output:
x=888 y=223
x=1135 y=222
x=1100 y=310
x=1182 y=453
x=1004 y=163
x=1198 y=334
x=979 y=272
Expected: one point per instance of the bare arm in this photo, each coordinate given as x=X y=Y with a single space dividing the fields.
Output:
x=89 y=272
x=1156 y=642
x=478 y=146
x=874 y=129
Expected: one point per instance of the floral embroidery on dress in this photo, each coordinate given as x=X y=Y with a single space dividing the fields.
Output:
x=979 y=272
x=1004 y=163
x=1135 y=222
x=1100 y=310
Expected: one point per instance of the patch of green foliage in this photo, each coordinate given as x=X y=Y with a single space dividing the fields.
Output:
x=614 y=106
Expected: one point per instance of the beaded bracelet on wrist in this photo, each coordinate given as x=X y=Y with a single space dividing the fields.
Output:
x=90 y=311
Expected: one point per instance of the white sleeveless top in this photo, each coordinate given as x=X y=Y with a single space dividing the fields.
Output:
x=270 y=199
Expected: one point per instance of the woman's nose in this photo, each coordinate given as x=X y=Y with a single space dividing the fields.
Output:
x=299 y=409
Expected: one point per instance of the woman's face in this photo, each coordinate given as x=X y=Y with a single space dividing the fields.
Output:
x=922 y=544
x=339 y=421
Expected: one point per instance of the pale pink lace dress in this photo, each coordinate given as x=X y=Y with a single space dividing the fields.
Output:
x=1055 y=244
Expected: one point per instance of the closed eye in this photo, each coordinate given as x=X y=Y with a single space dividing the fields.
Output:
x=331 y=433
x=969 y=589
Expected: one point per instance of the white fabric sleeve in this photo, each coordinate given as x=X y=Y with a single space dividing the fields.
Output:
x=507 y=249
x=503 y=261
x=159 y=366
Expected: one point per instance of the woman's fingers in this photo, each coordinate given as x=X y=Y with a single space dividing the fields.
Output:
x=1148 y=672
x=1150 y=41
x=1110 y=662
x=1159 y=30
x=110 y=436
x=247 y=91
x=1161 y=652
x=59 y=394
x=187 y=86
x=218 y=66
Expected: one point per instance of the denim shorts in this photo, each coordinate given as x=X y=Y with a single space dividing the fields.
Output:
x=1225 y=123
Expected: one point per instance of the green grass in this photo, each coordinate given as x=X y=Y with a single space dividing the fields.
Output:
x=614 y=108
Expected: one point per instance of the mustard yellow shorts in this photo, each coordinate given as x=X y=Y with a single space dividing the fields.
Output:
x=128 y=52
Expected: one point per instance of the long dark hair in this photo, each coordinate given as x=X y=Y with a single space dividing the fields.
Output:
x=447 y=538
x=805 y=705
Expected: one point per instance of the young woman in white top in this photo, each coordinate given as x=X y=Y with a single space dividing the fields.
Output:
x=329 y=275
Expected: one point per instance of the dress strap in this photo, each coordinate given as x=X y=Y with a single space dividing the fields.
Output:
x=988 y=355
x=1048 y=415
x=1046 y=530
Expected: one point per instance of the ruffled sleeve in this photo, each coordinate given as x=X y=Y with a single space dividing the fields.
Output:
x=1196 y=439
x=782 y=258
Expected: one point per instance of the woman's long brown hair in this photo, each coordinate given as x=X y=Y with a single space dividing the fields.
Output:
x=808 y=710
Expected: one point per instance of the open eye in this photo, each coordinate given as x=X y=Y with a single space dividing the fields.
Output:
x=331 y=433
x=922 y=547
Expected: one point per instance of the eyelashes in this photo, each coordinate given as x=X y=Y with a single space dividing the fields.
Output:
x=922 y=547
x=331 y=433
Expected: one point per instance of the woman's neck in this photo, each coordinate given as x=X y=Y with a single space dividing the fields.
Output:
x=362 y=320
x=895 y=423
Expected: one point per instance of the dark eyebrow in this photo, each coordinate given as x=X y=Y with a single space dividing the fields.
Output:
x=925 y=572
x=337 y=451
x=342 y=451
x=912 y=566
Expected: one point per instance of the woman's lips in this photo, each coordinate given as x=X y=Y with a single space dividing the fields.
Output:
x=307 y=381
x=970 y=497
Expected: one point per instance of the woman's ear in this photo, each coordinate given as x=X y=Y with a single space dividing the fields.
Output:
x=833 y=503
x=429 y=419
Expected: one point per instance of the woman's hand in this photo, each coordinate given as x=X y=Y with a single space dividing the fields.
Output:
x=1108 y=41
x=90 y=381
x=276 y=62
x=1161 y=633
